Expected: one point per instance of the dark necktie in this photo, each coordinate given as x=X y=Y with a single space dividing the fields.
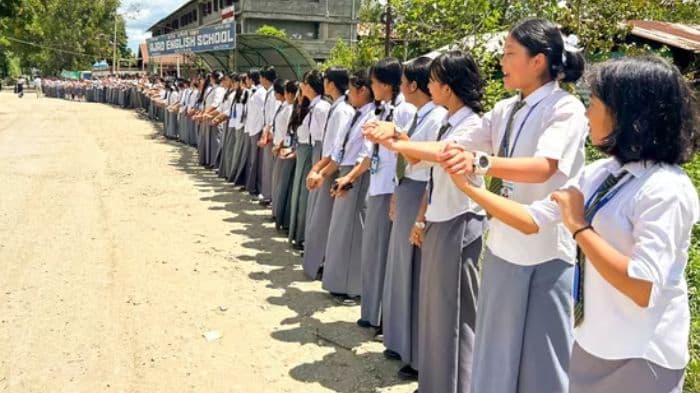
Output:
x=496 y=183
x=589 y=213
x=347 y=134
x=401 y=163
x=431 y=182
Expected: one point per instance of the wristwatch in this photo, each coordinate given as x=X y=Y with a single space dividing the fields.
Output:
x=481 y=163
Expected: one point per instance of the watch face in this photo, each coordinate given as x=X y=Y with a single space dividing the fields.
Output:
x=483 y=161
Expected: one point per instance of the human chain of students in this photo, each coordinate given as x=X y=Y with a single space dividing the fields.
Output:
x=379 y=177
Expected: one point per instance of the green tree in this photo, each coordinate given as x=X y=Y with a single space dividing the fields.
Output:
x=271 y=31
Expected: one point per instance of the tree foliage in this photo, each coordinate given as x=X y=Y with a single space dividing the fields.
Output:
x=271 y=31
x=52 y=35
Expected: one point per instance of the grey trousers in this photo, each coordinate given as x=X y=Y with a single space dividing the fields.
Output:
x=317 y=224
x=342 y=273
x=300 y=195
x=524 y=327
x=266 y=172
x=401 y=285
x=590 y=374
x=253 y=176
x=449 y=288
x=375 y=244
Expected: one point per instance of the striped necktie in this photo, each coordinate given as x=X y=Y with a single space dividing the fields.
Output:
x=589 y=213
x=496 y=183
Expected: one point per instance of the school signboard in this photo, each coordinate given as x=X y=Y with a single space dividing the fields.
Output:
x=204 y=39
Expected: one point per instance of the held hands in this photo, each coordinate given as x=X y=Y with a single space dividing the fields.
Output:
x=417 y=234
x=380 y=132
x=570 y=201
x=455 y=160
x=313 y=180
x=340 y=188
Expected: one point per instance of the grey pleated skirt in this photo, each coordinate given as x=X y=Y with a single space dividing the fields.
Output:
x=524 y=327
x=300 y=194
x=228 y=141
x=590 y=374
x=253 y=176
x=237 y=155
x=401 y=285
x=266 y=171
x=203 y=142
x=282 y=197
x=342 y=272
x=319 y=220
x=241 y=169
x=316 y=152
x=449 y=285
x=375 y=244
x=214 y=147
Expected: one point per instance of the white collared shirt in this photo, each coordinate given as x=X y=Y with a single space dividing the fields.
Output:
x=340 y=117
x=271 y=105
x=347 y=154
x=556 y=128
x=254 y=121
x=448 y=201
x=649 y=220
x=216 y=97
x=235 y=114
x=428 y=122
x=192 y=101
x=316 y=119
x=281 y=123
x=382 y=181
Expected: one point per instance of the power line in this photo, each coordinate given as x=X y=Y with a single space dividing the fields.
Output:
x=51 y=48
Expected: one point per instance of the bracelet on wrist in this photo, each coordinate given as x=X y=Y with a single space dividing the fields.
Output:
x=583 y=229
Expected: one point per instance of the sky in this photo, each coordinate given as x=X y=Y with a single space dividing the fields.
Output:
x=150 y=12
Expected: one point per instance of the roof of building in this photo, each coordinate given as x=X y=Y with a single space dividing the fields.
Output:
x=255 y=51
x=165 y=60
x=171 y=14
x=677 y=35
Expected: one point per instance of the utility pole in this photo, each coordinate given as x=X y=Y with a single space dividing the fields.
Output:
x=114 y=46
x=388 y=19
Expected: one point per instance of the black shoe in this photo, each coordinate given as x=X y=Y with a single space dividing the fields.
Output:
x=364 y=324
x=298 y=246
x=391 y=355
x=408 y=373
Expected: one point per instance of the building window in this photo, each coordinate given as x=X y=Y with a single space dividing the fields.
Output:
x=216 y=5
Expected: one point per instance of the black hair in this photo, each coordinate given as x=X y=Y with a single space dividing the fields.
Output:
x=388 y=71
x=340 y=77
x=539 y=35
x=279 y=85
x=254 y=75
x=299 y=112
x=360 y=79
x=269 y=73
x=218 y=76
x=314 y=79
x=419 y=71
x=654 y=110
x=291 y=87
x=458 y=70
x=207 y=80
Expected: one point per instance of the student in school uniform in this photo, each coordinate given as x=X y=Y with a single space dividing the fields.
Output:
x=342 y=272
x=286 y=155
x=200 y=106
x=189 y=137
x=309 y=146
x=181 y=109
x=268 y=77
x=340 y=114
x=172 y=109
x=400 y=298
x=448 y=228
x=254 y=126
x=231 y=116
x=240 y=172
x=386 y=86
x=221 y=119
x=631 y=216
x=208 y=137
x=538 y=142
x=280 y=126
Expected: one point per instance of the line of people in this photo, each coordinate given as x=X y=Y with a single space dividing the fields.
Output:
x=476 y=285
